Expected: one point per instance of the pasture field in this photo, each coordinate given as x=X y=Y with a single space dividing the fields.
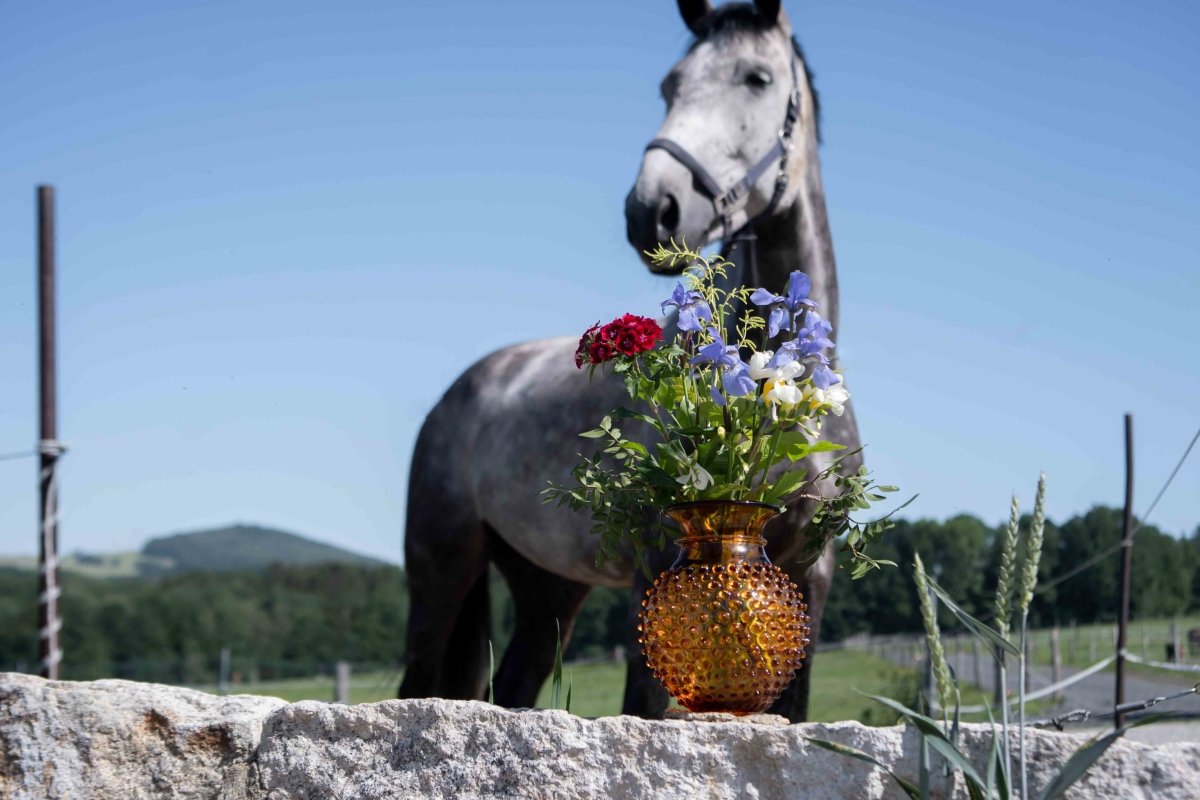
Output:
x=838 y=678
x=1082 y=645
x=889 y=666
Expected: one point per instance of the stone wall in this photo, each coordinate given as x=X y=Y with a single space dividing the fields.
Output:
x=116 y=739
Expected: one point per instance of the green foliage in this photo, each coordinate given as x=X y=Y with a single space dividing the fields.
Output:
x=687 y=438
x=277 y=622
x=966 y=555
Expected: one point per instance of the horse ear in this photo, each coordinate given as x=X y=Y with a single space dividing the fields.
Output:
x=767 y=9
x=694 y=12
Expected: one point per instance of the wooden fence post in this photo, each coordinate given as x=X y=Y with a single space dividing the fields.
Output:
x=976 y=656
x=223 y=670
x=49 y=586
x=341 y=683
x=1055 y=661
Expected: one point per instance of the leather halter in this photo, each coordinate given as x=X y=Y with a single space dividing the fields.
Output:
x=726 y=202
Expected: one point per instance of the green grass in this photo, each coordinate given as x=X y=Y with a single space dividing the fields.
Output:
x=596 y=689
x=1084 y=645
x=840 y=677
x=103 y=566
x=369 y=687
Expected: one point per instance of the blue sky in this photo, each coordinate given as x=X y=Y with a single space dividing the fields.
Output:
x=286 y=227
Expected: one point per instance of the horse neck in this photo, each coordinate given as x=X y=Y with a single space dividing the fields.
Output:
x=798 y=238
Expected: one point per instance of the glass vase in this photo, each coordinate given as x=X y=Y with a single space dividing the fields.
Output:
x=724 y=629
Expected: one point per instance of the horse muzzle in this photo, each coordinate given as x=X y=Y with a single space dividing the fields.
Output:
x=664 y=205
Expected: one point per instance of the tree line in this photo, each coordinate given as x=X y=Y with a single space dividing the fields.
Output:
x=297 y=620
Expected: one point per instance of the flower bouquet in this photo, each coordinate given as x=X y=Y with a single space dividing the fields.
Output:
x=716 y=415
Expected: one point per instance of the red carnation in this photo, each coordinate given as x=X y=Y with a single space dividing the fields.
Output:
x=628 y=335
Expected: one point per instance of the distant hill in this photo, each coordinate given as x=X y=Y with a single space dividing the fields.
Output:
x=235 y=548
x=245 y=547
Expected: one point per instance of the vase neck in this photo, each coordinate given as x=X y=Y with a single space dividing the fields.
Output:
x=721 y=550
x=721 y=531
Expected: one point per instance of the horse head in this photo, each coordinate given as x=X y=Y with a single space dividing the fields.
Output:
x=739 y=132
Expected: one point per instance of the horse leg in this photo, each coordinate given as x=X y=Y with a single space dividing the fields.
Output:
x=446 y=560
x=540 y=598
x=644 y=695
x=814 y=583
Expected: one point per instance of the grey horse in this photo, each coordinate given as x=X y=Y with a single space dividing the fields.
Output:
x=510 y=423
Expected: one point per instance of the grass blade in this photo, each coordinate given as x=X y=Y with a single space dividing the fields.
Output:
x=491 y=674
x=923 y=773
x=556 y=679
x=997 y=763
x=988 y=634
x=1088 y=754
x=936 y=737
x=846 y=750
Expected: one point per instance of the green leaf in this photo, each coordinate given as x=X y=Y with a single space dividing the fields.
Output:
x=936 y=737
x=491 y=673
x=788 y=482
x=594 y=433
x=998 y=763
x=847 y=750
x=1088 y=754
x=985 y=632
x=719 y=491
x=625 y=413
x=659 y=477
x=556 y=678
x=703 y=431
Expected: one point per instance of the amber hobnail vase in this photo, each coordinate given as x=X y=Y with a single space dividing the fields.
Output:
x=724 y=629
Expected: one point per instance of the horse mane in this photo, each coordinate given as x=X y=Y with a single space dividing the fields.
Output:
x=733 y=19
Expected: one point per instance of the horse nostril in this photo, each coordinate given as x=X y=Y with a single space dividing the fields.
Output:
x=668 y=214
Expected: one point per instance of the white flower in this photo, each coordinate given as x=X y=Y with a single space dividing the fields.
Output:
x=835 y=397
x=695 y=476
x=778 y=389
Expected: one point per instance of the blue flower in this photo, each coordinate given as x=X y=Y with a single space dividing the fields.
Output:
x=735 y=375
x=737 y=382
x=691 y=305
x=823 y=377
x=810 y=343
x=816 y=330
x=784 y=308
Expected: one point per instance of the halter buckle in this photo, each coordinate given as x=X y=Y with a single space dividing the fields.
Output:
x=727 y=199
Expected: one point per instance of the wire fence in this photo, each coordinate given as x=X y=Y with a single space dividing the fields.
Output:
x=1060 y=658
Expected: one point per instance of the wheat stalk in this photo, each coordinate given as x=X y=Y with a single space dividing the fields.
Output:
x=937 y=654
x=1008 y=560
x=1033 y=549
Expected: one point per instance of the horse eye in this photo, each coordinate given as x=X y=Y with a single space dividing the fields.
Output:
x=758 y=79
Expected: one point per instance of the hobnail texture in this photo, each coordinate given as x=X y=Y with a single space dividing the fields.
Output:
x=724 y=629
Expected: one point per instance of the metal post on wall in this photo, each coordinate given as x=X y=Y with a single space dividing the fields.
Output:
x=49 y=449
x=1126 y=563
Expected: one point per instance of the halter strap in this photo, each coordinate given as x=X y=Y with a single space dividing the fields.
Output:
x=726 y=202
